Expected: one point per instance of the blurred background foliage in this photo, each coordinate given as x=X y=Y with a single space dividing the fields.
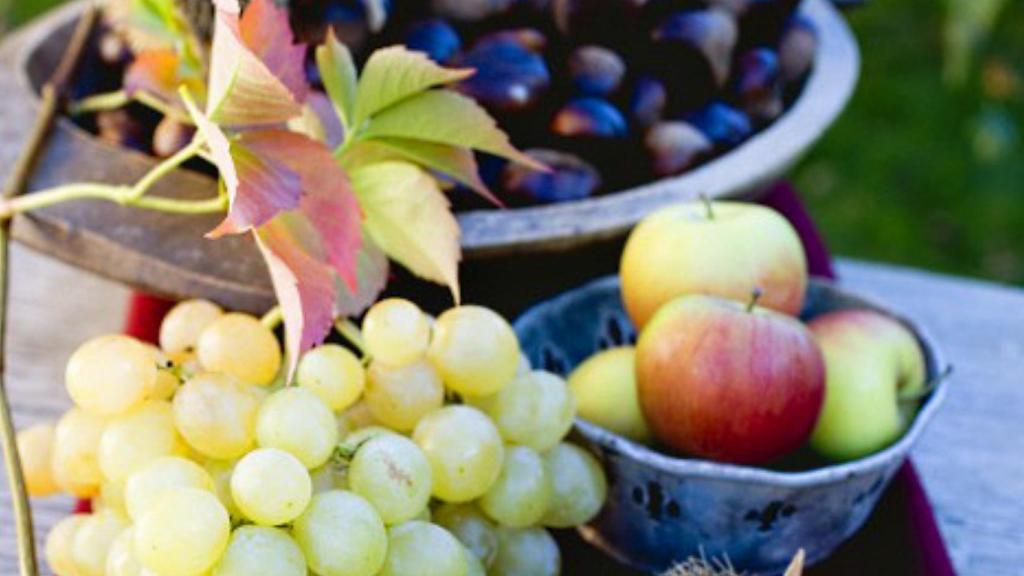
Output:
x=926 y=167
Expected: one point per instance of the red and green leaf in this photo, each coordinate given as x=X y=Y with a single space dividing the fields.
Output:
x=394 y=74
x=449 y=118
x=409 y=217
x=161 y=72
x=256 y=70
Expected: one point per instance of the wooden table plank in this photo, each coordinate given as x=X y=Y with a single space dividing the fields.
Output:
x=971 y=458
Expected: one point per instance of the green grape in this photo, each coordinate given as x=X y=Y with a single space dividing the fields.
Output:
x=181 y=327
x=341 y=535
x=166 y=382
x=297 y=421
x=534 y=410
x=121 y=560
x=578 y=486
x=145 y=487
x=524 y=365
x=93 y=540
x=328 y=477
x=464 y=450
x=520 y=496
x=76 y=441
x=396 y=332
x=475 y=350
x=358 y=437
x=241 y=346
x=220 y=472
x=423 y=549
x=136 y=438
x=399 y=397
x=474 y=567
x=526 y=552
x=476 y=532
x=111 y=497
x=59 y=542
x=332 y=373
x=35 y=449
x=216 y=415
x=356 y=417
x=184 y=533
x=271 y=486
x=261 y=551
x=393 y=474
x=110 y=375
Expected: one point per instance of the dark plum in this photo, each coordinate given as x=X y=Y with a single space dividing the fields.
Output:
x=676 y=146
x=437 y=38
x=595 y=70
x=648 y=101
x=570 y=178
x=120 y=128
x=353 y=21
x=692 y=53
x=508 y=76
x=171 y=136
x=797 y=48
x=113 y=50
x=604 y=21
x=529 y=38
x=589 y=117
x=758 y=84
x=470 y=10
x=762 y=21
x=724 y=125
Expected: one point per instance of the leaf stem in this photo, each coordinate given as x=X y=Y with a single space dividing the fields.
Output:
x=120 y=98
x=167 y=166
x=350 y=332
x=122 y=195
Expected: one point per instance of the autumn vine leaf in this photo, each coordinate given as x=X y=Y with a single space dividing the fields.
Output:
x=329 y=185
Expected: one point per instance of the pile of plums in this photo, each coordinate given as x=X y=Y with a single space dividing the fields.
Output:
x=608 y=93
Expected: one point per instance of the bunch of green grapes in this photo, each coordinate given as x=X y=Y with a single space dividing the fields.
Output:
x=428 y=448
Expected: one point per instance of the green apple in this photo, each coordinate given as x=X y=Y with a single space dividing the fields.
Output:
x=871 y=362
x=605 y=390
x=724 y=249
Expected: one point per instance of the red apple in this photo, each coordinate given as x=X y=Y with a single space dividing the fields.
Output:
x=727 y=381
x=722 y=249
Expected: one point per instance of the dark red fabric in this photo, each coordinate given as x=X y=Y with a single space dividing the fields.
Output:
x=902 y=536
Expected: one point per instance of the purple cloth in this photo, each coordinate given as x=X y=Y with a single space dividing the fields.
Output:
x=902 y=537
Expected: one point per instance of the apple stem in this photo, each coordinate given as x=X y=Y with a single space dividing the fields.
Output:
x=755 y=295
x=928 y=388
x=708 y=206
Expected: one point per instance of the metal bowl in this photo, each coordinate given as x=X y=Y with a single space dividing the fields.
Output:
x=663 y=509
x=556 y=246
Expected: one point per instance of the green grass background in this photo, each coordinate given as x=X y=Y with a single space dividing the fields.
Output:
x=919 y=170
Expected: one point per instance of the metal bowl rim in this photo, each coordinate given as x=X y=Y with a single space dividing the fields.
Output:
x=737 y=473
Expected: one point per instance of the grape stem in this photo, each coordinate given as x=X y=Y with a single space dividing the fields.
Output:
x=51 y=100
x=120 y=98
x=350 y=332
x=134 y=195
x=273 y=318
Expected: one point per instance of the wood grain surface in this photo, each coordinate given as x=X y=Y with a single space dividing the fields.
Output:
x=971 y=458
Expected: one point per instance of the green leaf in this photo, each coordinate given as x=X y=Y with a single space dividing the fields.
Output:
x=394 y=74
x=446 y=117
x=339 y=75
x=451 y=161
x=409 y=217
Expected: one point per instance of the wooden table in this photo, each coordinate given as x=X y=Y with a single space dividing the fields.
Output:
x=971 y=458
